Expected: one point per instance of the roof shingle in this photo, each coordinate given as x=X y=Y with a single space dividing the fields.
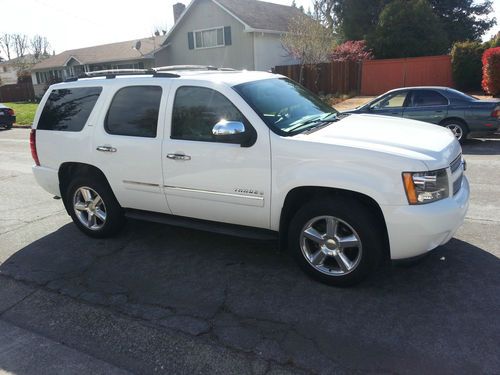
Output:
x=120 y=51
x=260 y=14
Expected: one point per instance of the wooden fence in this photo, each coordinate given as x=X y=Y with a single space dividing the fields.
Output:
x=336 y=77
x=372 y=77
x=19 y=92
x=380 y=76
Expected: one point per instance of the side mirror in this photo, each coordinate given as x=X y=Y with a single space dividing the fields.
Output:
x=228 y=128
x=234 y=132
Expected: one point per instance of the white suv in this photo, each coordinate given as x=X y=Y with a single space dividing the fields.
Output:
x=249 y=154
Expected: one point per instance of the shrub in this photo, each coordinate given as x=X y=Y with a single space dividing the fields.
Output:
x=493 y=42
x=491 y=71
x=466 y=65
x=352 y=50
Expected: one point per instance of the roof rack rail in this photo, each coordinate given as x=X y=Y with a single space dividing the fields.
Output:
x=112 y=73
x=190 y=67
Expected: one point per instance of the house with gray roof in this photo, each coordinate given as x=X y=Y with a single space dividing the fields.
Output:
x=240 y=34
x=131 y=54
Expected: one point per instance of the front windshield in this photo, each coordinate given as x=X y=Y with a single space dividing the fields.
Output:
x=285 y=106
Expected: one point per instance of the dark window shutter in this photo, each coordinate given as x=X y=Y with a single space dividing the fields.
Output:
x=190 y=40
x=227 y=35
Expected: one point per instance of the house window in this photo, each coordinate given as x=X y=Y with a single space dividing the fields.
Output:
x=209 y=38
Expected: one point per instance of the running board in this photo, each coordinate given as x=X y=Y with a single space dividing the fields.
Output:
x=203 y=225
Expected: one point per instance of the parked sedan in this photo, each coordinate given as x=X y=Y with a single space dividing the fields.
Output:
x=463 y=114
x=7 y=116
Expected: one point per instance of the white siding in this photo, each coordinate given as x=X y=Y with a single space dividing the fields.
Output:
x=269 y=52
x=204 y=15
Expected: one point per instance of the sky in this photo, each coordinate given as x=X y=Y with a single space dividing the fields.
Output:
x=69 y=24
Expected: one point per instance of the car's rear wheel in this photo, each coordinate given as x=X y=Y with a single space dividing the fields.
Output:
x=336 y=241
x=94 y=208
x=458 y=129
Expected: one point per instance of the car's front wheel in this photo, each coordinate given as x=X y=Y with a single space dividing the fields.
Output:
x=336 y=241
x=94 y=208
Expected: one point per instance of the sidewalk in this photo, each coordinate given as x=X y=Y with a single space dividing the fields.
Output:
x=352 y=103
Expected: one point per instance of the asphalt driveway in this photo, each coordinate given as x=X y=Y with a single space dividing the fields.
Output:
x=159 y=299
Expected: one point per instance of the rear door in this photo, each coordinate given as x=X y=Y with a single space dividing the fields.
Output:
x=391 y=104
x=426 y=105
x=127 y=143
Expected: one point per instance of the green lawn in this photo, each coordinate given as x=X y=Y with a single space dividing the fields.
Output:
x=25 y=112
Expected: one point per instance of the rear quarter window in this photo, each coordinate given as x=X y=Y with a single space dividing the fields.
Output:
x=68 y=109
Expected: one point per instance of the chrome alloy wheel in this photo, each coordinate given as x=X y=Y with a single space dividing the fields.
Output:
x=456 y=130
x=89 y=208
x=331 y=245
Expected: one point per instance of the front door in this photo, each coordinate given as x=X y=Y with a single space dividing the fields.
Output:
x=391 y=104
x=127 y=144
x=208 y=176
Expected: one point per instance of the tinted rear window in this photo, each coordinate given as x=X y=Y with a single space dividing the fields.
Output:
x=134 y=111
x=423 y=98
x=68 y=109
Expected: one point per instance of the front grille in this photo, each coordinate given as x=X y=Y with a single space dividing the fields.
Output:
x=457 y=184
x=455 y=164
x=457 y=173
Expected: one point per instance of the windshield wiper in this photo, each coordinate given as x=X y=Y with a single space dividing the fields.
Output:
x=317 y=121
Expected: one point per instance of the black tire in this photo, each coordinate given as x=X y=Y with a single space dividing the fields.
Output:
x=8 y=127
x=350 y=213
x=452 y=123
x=114 y=216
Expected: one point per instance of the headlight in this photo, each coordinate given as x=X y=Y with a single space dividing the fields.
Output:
x=426 y=187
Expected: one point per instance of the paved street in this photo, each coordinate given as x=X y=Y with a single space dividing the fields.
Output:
x=159 y=299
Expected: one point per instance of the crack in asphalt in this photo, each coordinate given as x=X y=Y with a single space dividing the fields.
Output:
x=483 y=221
x=250 y=356
x=18 y=302
x=25 y=223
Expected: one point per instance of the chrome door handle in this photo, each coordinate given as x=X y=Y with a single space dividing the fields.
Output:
x=106 y=149
x=178 y=157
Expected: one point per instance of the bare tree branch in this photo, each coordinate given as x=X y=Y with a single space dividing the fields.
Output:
x=308 y=41
x=6 y=42
x=20 y=44
x=39 y=46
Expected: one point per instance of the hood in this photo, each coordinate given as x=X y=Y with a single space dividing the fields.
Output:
x=432 y=144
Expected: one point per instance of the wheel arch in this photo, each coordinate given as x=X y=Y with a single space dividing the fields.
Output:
x=299 y=196
x=68 y=170
x=454 y=118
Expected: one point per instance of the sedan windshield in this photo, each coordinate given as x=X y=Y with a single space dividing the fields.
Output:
x=285 y=106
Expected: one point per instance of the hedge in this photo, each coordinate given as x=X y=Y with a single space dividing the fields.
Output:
x=466 y=65
x=491 y=71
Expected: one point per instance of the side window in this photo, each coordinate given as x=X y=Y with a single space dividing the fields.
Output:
x=134 y=111
x=396 y=100
x=424 y=98
x=68 y=109
x=196 y=111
